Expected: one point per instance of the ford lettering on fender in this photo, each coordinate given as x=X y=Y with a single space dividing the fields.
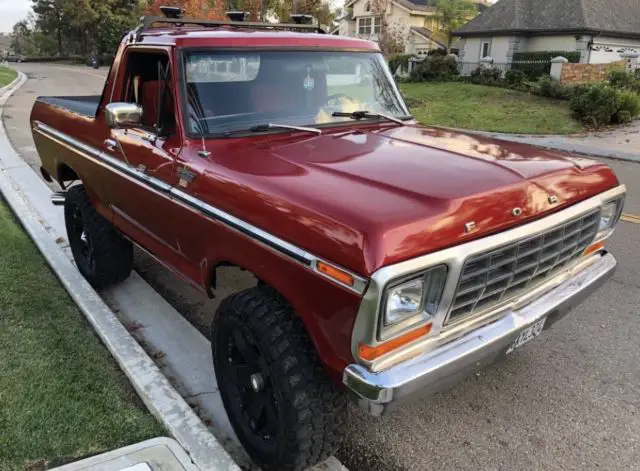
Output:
x=391 y=259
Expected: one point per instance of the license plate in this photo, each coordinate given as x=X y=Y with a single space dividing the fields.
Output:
x=527 y=334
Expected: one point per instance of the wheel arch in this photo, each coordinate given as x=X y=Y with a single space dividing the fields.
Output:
x=65 y=173
x=269 y=275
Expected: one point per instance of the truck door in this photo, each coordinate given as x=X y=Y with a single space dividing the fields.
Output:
x=141 y=200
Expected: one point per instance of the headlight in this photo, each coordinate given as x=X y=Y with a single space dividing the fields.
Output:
x=413 y=302
x=609 y=217
x=404 y=301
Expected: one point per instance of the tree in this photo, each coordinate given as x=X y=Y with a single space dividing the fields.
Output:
x=117 y=17
x=83 y=27
x=20 y=36
x=202 y=9
x=51 y=19
x=390 y=36
x=281 y=10
x=452 y=14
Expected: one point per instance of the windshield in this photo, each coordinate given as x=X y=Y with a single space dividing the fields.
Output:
x=237 y=90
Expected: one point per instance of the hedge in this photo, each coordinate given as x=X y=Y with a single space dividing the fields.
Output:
x=435 y=69
x=534 y=71
x=572 y=56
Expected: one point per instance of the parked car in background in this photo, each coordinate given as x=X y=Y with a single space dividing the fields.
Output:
x=15 y=58
x=390 y=259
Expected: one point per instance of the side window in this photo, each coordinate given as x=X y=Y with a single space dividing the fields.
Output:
x=486 y=49
x=148 y=83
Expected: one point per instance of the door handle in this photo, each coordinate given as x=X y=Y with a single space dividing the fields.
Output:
x=110 y=144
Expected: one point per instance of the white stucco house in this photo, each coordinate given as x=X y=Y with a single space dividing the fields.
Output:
x=415 y=19
x=600 y=30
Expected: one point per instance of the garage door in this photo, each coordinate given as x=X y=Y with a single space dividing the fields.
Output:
x=606 y=53
x=604 y=56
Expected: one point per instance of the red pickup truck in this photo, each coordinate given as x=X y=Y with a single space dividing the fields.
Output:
x=390 y=259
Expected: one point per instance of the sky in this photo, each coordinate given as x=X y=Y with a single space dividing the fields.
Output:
x=12 y=11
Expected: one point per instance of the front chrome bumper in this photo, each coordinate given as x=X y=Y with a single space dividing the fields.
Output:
x=438 y=369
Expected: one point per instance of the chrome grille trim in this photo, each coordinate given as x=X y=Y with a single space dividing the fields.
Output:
x=496 y=276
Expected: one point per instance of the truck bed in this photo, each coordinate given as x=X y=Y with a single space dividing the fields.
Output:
x=82 y=105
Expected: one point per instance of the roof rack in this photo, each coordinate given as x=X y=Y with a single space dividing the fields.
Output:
x=148 y=22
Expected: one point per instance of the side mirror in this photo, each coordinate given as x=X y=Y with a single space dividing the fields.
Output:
x=123 y=115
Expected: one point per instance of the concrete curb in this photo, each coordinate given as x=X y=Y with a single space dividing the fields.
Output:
x=555 y=143
x=159 y=396
x=18 y=79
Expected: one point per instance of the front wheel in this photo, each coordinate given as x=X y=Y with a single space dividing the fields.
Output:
x=101 y=254
x=282 y=406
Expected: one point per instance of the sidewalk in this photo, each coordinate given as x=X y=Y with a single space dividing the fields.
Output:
x=620 y=143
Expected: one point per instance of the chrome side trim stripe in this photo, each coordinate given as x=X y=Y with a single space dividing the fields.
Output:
x=97 y=154
x=289 y=249
x=296 y=253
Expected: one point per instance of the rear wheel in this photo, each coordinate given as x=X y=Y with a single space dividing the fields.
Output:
x=282 y=406
x=102 y=255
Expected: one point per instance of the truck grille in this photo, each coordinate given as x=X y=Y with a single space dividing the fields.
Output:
x=494 y=277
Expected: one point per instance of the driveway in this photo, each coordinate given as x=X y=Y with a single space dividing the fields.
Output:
x=570 y=400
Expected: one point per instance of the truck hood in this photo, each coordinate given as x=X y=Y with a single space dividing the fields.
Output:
x=377 y=195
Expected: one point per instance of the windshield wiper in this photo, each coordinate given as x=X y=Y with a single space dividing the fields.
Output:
x=366 y=114
x=266 y=127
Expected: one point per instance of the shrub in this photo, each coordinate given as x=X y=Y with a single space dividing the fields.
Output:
x=595 y=105
x=399 y=60
x=437 y=52
x=624 y=80
x=629 y=107
x=515 y=78
x=435 y=68
x=551 y=88
x=486 y=76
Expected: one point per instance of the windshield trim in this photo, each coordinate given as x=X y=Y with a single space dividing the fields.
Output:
x=183 y=52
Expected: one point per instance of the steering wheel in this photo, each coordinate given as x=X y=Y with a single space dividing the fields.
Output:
x=339 y=96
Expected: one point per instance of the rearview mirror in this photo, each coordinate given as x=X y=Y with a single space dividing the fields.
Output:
x=123 y=115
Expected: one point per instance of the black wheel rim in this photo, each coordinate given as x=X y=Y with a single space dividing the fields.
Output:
x=249 y=385
x=81 y=240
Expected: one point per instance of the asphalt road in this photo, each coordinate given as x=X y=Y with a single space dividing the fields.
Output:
x=570 y=400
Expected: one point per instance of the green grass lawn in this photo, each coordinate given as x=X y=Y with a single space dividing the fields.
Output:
x=468 y=106
x=62 y=396
x=7 y=75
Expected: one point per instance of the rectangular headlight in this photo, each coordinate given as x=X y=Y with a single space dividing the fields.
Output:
x=412 y=302
x=609 y=217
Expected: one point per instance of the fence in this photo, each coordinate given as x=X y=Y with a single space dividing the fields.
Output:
x=533 y=69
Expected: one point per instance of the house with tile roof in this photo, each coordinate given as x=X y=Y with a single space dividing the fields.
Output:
x=415 y=20
x=601 y=30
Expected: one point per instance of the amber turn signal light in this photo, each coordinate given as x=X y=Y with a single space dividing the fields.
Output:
x=593 y=248
x=369 y=353
x=335 y=273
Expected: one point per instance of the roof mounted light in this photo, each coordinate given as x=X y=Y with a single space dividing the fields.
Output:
x=302 y=19
x=237 y=15
x=172 y=12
